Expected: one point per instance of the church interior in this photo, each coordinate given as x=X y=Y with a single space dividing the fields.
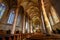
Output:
x=29 y=19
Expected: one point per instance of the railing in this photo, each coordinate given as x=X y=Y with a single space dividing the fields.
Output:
x=29 y=37
x=45 y=37
x=11 y=37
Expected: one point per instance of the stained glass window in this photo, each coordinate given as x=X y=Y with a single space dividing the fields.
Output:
x=11 y=17
x=2 y=9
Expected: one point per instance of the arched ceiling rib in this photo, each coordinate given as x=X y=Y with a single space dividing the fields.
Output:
x=32 y=10
x=30 y=6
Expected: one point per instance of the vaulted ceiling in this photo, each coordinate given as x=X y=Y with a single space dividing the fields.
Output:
x=32 y=7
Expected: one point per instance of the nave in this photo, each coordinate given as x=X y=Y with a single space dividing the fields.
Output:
x=29 y=20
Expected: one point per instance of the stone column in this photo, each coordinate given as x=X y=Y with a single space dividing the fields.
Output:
x=48 y=26
x=27 y=25
x=54 y=14
x=21 y=24
x=51 y=19
x=47 y=5
x=28 y=30
x=43 y=24
x=24 y=24
x=31 y=27
x=15 y=21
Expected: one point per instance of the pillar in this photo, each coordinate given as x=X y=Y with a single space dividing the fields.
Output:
x=24 y=24
x=48 y=26
x=28 y=27
x=15 y=21
x=21 y=24
x=31 y=27
x=51 y=19
x=54 y=15
x=27 y=24
x=47 y=9
x=43 y=24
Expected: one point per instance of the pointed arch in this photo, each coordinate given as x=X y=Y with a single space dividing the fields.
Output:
x=11 y=17
x=2 y=9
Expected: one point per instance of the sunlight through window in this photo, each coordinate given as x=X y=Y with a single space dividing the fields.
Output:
x=11 y=17
x=2 y=9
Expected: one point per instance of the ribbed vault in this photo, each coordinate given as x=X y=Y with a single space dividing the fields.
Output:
x=35 y=11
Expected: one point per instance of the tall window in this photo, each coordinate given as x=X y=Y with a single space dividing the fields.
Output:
x=2 y=9
x=18 y=21
x=11 y=17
